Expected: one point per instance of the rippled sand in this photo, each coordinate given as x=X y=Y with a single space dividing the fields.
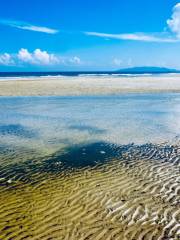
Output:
x=98 y=191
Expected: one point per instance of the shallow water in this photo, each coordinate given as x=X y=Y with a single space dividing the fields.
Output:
x=102 y=167
x=49 y=123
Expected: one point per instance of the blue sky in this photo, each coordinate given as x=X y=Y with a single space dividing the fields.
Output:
x=40 y=35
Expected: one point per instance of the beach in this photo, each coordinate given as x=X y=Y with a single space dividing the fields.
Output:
x=89 y=120
x=88 y=85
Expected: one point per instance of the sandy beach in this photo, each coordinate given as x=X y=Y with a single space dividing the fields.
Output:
x=90 y=85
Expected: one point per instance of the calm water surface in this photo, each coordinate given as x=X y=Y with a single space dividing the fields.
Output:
x=51 y=123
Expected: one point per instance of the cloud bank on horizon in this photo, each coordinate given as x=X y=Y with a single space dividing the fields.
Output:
x=37 y=57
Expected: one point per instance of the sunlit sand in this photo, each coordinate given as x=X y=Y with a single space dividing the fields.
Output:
x=91 y=85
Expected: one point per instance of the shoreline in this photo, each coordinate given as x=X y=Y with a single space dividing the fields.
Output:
x=75 y=86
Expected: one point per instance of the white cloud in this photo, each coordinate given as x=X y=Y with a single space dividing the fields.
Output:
x=75 y=60
x=133 y=36
x=28 y=26
x=117 y=62
x=38 y=57
x=25 y=56
x=174 y=22
x=45 y=58
x=6 y=59
x=38 y=29
x=167 y=37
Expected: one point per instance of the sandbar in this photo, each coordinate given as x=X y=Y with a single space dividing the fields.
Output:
x=74 y=86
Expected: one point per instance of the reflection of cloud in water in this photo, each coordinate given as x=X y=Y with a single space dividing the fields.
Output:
x=87 y=128
x=52 y=123
x=17 y=130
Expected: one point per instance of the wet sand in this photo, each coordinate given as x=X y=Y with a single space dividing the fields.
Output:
x=90 y=85
x=133 y=195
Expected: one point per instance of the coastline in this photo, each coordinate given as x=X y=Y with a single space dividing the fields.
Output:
x=62 y=86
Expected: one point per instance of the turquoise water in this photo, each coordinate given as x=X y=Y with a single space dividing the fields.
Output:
x=48 y=124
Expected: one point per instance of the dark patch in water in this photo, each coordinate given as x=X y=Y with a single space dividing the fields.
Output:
x=17 y=130
x=73 y=157
x=81 y=156
x=84 y=155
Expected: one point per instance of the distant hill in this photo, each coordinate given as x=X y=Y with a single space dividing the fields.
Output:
x=141 y=70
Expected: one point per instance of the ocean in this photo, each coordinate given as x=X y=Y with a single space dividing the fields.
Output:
x=70 y=74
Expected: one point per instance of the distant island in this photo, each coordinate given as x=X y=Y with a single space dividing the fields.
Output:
x=141 y=70
x=133 y=70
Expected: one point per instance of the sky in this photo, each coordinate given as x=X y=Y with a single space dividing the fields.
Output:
x=70 y=35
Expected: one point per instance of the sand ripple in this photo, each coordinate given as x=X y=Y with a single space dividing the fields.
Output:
x=133 y=196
